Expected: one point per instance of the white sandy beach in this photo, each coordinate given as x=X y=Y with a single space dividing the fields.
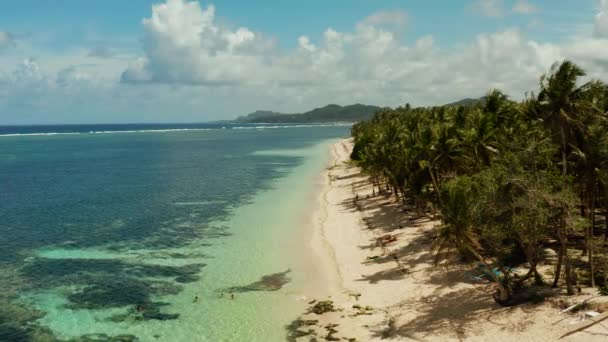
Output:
x=403 y=295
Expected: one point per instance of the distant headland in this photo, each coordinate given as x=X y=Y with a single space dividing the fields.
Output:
x=331 y=113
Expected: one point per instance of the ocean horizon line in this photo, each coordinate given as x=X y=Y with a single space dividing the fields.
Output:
x=47 y=130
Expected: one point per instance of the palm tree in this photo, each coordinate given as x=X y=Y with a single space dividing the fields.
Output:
x=456 y=230
x=559 y=99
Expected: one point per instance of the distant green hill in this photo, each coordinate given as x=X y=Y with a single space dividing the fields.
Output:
x=329 y=113
x=468 y=102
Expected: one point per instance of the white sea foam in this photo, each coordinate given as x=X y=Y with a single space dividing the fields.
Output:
x=267 y=126
x=154 y=130
x=260 y=126
x=35 y=134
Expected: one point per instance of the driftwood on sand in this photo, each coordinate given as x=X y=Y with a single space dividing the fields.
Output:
x=586 y=324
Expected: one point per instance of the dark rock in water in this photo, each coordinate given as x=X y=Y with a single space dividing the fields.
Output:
x=105 y=338
x=111 y=294
x=13 y=333
x=149 y=311
x=17 y=324
x=106 y=293
x=187 y=278
x=44 y=273
x=157 y=315
x=271 y=282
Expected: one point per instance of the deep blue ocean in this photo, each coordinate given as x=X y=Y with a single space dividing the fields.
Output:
x=97 y=222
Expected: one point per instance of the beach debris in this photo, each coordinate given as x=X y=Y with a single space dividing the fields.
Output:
x=386 y=239
x=572 y=307
x=360 y=310
x=331 y=337
x=270 y=282
x=322 y=307
x=331 y=331
x=391 y=328
x=586 y=324
x=481 y=273
x=585 y=315
x=356 y=295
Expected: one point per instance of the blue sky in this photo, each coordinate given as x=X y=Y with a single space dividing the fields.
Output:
x=178 y=60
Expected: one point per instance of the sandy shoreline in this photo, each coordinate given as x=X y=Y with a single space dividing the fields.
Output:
x=400 y=294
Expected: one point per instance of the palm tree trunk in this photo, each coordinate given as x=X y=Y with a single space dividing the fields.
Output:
x=530 y=253
x=585 y=213
x=569 y=285
x=590 y=233
x=504 y=294
x=564 y=157
x=558 y=267
x=435 y=186
x=563 y=237
x=606 y=215
x=538 y=278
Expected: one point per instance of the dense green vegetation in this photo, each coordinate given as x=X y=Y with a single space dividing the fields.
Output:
x=509 y=180
x=329 y=113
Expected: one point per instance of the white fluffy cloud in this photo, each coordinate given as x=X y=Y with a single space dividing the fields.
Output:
x=601 y=20
x=192 y=64
x=184 y=45
x=524 y=7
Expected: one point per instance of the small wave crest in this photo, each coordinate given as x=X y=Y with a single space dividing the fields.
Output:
x=168 y=130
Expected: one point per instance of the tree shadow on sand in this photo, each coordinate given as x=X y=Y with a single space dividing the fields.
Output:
x=270 y=282
x=454 y=315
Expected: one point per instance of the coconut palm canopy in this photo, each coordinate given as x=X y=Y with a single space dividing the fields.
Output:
x=506 y=178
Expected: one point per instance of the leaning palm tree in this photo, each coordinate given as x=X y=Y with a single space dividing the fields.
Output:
x=456 y=231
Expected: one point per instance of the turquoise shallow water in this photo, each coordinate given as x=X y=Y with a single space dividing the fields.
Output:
x=115 y=235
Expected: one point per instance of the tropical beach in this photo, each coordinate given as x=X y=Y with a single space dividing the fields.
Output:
x=356 y=170
x=396 y=291
x=198 y=248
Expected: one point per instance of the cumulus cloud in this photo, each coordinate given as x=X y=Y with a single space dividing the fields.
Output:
x=183 y=43
x=601 y=20
x=524 y=7
x=6 y=40
x=192 y=63
x=490 y=8
x=27 y=70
